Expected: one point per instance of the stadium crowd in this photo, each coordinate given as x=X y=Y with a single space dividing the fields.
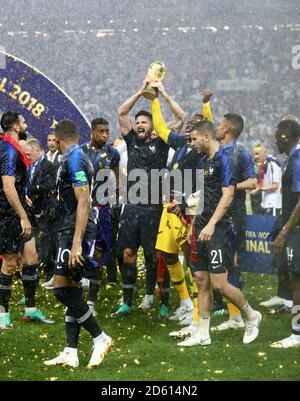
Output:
x=261 y=56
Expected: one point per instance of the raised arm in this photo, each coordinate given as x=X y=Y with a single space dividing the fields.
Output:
x=124 y=110
x=206 y=109
x=178 y=114
x=159 y=124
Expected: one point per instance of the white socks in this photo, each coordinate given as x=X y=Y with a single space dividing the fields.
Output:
x=100 y=338
x=203 y=325
x=249 y=313
x=187 y=302
x=237 y=318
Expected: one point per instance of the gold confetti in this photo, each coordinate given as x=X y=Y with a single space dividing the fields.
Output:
x=145 y=337
x=136 y=361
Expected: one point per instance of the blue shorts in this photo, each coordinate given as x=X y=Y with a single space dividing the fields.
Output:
x=104 y=229
x=216 y=256
x=11 y=239
x=139 y=227
x=65 y=240
x=293 y=251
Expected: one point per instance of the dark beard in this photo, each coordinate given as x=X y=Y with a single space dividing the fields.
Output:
x=22 y=136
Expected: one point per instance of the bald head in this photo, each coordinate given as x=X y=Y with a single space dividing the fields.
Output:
x=289 y=117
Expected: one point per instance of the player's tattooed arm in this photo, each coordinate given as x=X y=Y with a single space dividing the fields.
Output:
x=250 y=183
x=82 y=195
x=178 y=114
x=222 y=208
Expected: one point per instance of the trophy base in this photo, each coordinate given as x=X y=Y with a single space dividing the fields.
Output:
x=150 y=93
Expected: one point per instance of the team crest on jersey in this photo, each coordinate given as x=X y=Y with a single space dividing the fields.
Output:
x=104 y=164
x=152 y=148
x=210 y=170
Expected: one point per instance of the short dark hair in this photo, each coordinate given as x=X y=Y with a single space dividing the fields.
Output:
x=236 y=123
x=290 y=128
x=66 y=130
x=200 y=117
x=50 y=133
x=98 y=121
x=8 y=119
x=204 y=126
x=143 y=113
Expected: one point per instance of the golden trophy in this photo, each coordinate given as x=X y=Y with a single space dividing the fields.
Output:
x=156 y=72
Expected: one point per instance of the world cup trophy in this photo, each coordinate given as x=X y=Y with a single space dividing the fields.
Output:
x=156 y=72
